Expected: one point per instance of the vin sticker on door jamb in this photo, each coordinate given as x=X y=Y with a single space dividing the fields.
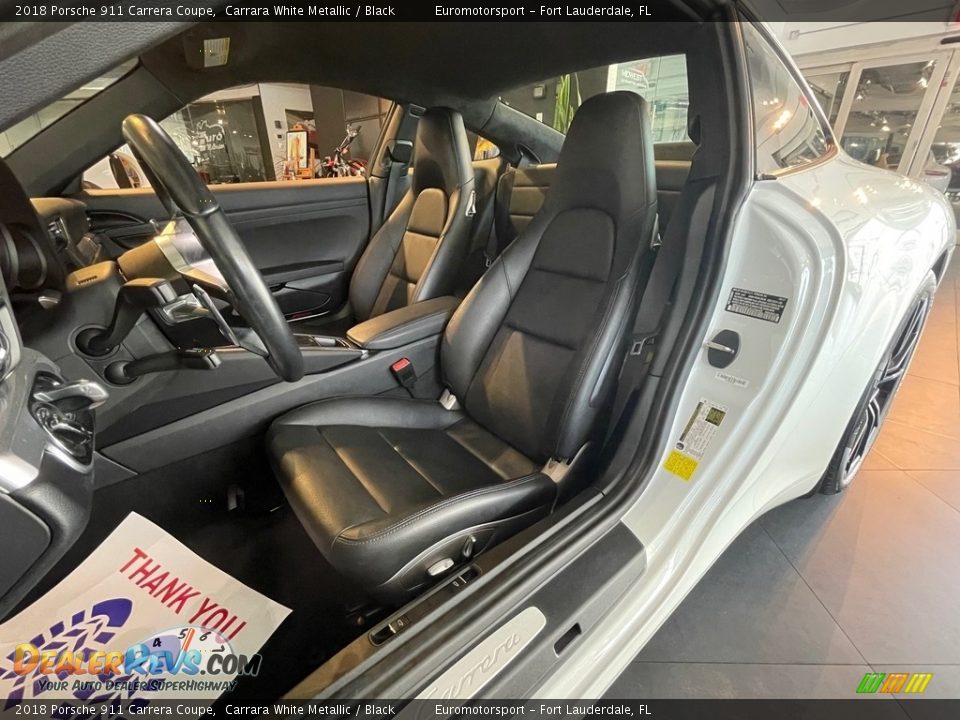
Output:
x=758 y=305
x=696 y=437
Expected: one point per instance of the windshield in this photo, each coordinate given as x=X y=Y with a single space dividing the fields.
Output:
x=16 y=135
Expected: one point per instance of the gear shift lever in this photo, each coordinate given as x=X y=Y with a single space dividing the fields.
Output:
x=134 y=297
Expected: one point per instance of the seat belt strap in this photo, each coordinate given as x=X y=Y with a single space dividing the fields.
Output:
x=500 y=227
x=483 y=228
x=492 y=247
x=399 y=167
x=666 y=261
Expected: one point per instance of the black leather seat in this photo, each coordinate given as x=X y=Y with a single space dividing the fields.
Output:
x=396 y=492
x=416 y=254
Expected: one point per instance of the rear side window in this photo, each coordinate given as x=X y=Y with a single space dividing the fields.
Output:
x=787 y=129
x=662 y=81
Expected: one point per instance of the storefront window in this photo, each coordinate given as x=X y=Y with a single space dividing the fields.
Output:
x=262 y=132
x=222 y=140
x=663 y=82
x=884 y=111
x=942 y=169
x=828 y=88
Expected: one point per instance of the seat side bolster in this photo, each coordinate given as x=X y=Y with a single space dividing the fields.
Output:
x=369 y=412
x=594 y=372
x=488 y=496
x=374 y=264
x=440 y=274
x=472 y=327
x=383 y=546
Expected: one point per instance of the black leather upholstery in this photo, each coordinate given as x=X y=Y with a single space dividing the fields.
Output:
x=378 y=481
x=404 y=325
x=522 y=191
x=387 y=488
x=416 y=254
x=531 y=351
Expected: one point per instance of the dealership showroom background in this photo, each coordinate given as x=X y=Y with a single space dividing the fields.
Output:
x=825 y=589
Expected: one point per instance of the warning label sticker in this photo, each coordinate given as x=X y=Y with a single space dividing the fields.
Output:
x=696 y=437
x=756 y=304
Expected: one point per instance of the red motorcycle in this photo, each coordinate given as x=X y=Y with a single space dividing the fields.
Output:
x=339 y=165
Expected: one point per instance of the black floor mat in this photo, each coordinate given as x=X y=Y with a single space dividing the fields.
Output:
x=269 y=551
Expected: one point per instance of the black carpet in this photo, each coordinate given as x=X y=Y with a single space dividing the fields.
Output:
x=267 y=550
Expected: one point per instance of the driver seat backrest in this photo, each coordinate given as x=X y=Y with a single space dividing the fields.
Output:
x=533 y=351
x=417 y=253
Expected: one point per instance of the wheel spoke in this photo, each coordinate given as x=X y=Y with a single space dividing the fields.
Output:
x=881 y=394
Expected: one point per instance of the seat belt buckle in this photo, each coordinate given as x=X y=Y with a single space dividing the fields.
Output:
x=405 y=375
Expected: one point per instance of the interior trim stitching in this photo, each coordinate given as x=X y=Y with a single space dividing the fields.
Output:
x=436 y=508
x=477 y=455
x=407 y=461
x=353 y=473
x=597 y=333
x=537 y=336
x=571 y=275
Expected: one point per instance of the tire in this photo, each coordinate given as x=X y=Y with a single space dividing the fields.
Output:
x=864 y=427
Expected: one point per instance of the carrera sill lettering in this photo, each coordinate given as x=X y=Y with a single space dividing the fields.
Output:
x=479 y=666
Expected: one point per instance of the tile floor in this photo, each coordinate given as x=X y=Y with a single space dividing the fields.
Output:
x=822 y=590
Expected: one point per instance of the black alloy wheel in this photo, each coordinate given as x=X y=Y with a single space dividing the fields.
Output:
x=864 y=427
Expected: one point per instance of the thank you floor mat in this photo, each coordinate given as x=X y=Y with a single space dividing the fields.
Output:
x=143 y=618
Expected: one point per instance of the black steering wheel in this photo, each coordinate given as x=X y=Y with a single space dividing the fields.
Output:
x=182 y=192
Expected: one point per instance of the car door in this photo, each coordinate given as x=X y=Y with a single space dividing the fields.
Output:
x=259 y=148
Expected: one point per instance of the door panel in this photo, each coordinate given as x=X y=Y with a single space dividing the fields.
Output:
x=304 y=236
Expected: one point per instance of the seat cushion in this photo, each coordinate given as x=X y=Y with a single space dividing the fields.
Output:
x=381 y=484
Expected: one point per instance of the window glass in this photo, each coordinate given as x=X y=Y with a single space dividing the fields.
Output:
x=943 y=165
x=16 y=135
x=481 y=147
x=260 y=133
x=884 y=111
x=788 y=131
x=662 y=81
x=828 y=88
x=485 y=150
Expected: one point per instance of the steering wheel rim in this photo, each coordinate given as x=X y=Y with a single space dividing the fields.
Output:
x=180 y=188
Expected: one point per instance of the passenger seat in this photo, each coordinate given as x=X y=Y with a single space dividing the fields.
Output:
x=418 y=251
x=522 y=191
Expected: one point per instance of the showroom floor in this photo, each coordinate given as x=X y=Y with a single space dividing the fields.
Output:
x=819 y=591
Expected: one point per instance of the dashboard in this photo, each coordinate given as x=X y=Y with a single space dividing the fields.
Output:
x=40 y=242
x=46 y=421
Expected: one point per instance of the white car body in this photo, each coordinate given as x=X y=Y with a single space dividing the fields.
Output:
x=937 y=175
x=849 y=245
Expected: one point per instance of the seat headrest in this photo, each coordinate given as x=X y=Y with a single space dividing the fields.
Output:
x=441 y=153
x=607 y=158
